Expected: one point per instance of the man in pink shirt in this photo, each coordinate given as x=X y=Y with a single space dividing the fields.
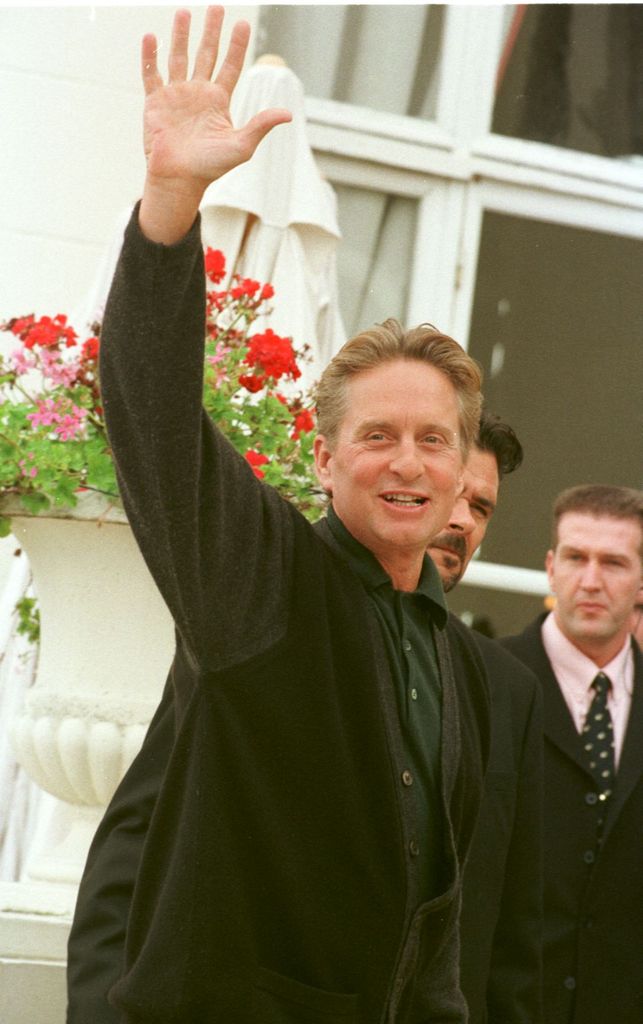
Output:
x=591 y=672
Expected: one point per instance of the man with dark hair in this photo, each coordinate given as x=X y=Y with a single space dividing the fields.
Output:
x=304 y=854
x=591 y=672
x=501 y=925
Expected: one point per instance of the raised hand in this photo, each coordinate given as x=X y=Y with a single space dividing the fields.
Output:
x=189 y=137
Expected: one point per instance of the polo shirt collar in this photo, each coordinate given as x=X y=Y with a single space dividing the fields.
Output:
x=373 y=575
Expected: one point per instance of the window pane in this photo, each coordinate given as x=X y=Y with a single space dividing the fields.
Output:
x=374 y=255
x=572 y=75
x=380 y=56
x=557 y=328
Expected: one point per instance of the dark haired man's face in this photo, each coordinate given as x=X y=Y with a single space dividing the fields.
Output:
x=453 y=548
x=595 y=573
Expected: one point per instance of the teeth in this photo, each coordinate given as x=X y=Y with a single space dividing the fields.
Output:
x=403 y=499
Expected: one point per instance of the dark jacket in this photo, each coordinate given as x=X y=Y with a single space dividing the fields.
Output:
x=279 y=876
x=593 y=947
x=501 y=926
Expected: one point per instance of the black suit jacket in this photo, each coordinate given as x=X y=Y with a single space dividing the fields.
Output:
x=501 y=925
x=593 y=948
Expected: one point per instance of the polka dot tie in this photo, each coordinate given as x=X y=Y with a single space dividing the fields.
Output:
x=598 y=738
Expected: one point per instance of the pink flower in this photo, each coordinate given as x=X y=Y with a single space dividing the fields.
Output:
x=58 y=372
x=46 y=415
x=71 y=424
x=22 y=360
x=26 y=470
x=66 y=419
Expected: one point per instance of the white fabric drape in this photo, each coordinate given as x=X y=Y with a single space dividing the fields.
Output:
x=275 y=219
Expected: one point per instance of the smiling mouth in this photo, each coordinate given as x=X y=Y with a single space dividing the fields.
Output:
x=404 y=500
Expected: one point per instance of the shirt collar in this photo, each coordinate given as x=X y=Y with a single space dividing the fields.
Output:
x=373 y=575
x=569 y=662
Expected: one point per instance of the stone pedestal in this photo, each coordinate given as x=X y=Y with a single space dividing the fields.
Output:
x=34 y=926
x=106 y=645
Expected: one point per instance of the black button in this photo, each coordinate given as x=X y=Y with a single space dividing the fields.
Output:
x=591 y=798
x=570 y=983
x=414 y=848
x=407 y=778
x=589 y=856
x=588 y=922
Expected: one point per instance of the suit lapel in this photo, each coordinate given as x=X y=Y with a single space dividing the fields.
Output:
x=558 y=723
x=631 y=761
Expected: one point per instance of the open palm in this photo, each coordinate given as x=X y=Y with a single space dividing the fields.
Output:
x=188 y=133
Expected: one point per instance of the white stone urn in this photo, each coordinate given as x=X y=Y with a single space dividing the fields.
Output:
x=105 y=649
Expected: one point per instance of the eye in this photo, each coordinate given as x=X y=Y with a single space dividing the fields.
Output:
x=481 y=511
x=435 y=440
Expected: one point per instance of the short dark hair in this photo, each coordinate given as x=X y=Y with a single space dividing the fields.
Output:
x=498 y=437
x=599 y=500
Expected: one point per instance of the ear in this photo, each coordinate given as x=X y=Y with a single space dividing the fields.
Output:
x=323 y=457
x=549 y=566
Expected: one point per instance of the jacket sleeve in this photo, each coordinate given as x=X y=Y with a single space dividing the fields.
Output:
x=515 y=975
x=97 y=938
x=216 y=540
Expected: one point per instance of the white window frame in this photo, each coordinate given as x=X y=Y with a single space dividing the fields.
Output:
x=457 y=169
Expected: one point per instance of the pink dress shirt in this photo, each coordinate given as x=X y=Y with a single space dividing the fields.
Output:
x=575 y=673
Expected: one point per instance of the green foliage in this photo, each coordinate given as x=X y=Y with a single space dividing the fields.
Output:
x=28 y=619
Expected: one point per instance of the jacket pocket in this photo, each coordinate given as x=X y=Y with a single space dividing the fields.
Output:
x=282 y=1000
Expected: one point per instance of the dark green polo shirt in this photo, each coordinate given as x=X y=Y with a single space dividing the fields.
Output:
x=407 y=620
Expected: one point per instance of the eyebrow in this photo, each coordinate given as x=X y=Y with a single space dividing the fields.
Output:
x=573 y=549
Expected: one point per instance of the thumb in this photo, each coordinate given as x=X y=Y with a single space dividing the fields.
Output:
x=259 y=126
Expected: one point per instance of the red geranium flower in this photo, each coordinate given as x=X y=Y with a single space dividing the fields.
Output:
x=272 y=354
x=214 y=265
x=244 y=288
x=48 y=332
x=251 y=383
x=90 y=349
x=303 y=423
x=256 y=459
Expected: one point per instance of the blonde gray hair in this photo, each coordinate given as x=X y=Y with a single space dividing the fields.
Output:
x=384 y=343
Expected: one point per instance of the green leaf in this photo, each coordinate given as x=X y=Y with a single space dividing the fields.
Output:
x=35 y=501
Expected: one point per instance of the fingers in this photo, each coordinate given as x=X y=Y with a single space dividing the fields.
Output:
x=230 y=70
x=206 y=57
x=151 y=78
x=178 y=59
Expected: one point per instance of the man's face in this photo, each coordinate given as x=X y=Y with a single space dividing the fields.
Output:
x=595 y=574
x=453 y=548
x=395 y=468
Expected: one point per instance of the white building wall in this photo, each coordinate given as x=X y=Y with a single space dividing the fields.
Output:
x=71 y=157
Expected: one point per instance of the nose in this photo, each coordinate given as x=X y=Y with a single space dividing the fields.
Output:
x=591 y=576
x=406 y=462
x=461 y=519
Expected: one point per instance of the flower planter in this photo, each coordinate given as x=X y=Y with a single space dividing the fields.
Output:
x=105 y=649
